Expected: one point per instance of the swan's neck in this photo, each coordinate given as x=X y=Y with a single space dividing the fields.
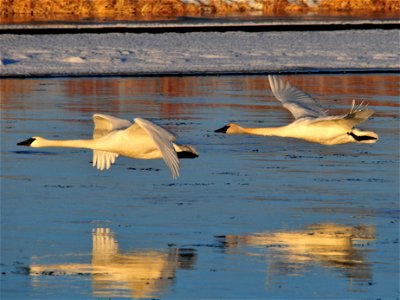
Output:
x=42 y=142
x=267 y=131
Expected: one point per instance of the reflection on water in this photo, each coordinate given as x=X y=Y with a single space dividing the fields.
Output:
x=149 y=273
x=115 y=94
x=292 y=253
x=138 y=274
x=190 y=86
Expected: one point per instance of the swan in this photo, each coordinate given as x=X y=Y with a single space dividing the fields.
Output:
x=113 y=137
x=311 y=123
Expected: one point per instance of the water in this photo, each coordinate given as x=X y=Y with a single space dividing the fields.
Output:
x=252 y=217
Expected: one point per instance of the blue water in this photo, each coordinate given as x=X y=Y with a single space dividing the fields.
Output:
x=252 y=217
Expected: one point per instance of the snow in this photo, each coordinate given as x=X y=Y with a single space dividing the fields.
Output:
x=198 y=52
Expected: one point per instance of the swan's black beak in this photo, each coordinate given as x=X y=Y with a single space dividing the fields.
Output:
x=27 y=142
x=223 y=129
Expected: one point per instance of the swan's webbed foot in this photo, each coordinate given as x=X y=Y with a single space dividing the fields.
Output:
x=360 y=138
x=187 y=154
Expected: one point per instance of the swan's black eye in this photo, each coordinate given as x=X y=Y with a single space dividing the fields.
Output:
x=27 y=142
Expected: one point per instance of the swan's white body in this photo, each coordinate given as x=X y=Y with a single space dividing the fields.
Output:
x=113 y=137
x=311 y=121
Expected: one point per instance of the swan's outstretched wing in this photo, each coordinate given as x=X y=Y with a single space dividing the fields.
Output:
x=296 y=101
x=163 y=139
x=103 y=125
x=357 y=115
x=103 y=159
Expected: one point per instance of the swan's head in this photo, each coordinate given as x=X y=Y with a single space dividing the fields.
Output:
x=231 y=128
x=33 y=142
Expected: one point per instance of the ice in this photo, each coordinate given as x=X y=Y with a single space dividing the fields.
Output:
x=198 y=52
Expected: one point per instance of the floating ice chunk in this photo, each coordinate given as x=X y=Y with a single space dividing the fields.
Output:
x=75 y=59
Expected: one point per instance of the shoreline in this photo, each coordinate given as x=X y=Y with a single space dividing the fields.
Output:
x=200 y=26
x=189 y=74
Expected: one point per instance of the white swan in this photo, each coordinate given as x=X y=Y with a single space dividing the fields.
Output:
x=311 y=122
x=113 y=136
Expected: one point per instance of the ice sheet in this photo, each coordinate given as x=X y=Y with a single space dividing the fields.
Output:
x=198 y=52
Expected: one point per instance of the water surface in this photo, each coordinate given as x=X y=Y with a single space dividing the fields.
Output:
x=252 y=217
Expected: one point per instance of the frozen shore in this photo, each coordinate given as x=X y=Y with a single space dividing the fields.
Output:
x=198 y=52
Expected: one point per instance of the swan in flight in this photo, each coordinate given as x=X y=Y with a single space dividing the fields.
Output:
x=113 y=137
x=311 y=123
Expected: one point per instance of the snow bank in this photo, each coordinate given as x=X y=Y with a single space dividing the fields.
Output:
x=198 y=52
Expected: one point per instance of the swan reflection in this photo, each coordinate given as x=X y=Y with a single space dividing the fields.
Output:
x=137 y=274
x=292 y=253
